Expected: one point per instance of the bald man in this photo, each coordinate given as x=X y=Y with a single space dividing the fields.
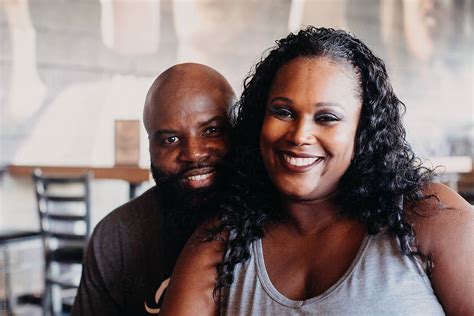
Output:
x=132 y=251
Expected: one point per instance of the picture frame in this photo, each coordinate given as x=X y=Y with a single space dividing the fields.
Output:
x=127 y=142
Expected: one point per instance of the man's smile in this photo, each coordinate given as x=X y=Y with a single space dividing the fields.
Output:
x=199 y=178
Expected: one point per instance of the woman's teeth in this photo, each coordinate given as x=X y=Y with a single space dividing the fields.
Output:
x=300 y=162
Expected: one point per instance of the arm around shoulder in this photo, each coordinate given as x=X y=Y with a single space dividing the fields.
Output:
x=446 y=235
x=192 y=283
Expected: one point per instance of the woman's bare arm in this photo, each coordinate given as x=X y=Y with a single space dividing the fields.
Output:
x=192 y=283
x=447 y=237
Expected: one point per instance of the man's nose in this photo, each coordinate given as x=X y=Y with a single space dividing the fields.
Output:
x=302 y=133
x=194 y=150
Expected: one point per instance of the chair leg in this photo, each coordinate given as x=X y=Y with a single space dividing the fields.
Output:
x=46 y=300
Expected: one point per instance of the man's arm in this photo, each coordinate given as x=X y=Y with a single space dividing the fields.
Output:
x=99 y=290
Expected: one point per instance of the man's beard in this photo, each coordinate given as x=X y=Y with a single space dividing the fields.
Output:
x=183 y=208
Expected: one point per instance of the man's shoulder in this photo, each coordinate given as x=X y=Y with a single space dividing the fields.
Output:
x=141 y=212
x=124 y=259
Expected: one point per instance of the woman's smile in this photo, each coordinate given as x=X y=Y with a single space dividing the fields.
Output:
x=299 y=163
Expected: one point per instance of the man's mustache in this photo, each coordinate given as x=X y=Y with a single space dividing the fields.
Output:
x=195 y=166
x=161 y=177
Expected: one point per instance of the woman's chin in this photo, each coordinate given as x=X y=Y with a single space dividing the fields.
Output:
x=307 y=195
x=297 y=194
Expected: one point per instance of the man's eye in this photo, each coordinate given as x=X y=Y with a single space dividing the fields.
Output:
x=212 y=130
x=281 y=112
x=170 y=140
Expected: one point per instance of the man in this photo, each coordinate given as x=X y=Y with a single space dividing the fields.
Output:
x=133 y=250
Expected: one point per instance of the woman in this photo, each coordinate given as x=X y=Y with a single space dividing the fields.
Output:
x=328 y=210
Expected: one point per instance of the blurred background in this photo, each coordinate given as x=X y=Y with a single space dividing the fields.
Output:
x=70 y=68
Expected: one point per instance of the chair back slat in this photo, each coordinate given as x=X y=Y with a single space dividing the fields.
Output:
x=64 y=236
x=57 y=198
x=63 y=217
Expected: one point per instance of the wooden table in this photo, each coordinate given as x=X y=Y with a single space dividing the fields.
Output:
x=133 y=175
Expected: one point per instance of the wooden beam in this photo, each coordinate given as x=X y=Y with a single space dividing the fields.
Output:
x=132 y=174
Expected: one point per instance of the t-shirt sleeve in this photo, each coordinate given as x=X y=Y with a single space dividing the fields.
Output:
x=99 y=291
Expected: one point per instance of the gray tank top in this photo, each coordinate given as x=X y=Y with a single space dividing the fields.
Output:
x=380 y=281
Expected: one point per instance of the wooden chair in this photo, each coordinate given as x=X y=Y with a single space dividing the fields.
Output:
x=61 y=212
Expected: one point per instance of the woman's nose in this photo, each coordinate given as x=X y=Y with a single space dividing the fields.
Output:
x=302 y=133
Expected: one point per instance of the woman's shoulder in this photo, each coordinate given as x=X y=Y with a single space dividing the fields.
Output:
x=444 y=233
x=444 y=213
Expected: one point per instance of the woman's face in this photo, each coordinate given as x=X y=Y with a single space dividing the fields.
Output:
x=309 y=129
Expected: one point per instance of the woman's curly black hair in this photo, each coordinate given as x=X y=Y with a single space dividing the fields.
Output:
x=384 y=175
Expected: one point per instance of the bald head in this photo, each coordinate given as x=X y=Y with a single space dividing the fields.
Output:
x=188 y=82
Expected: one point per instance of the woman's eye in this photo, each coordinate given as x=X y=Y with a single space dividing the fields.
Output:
x=281 y=112
x=326 y=118
x=171 y=140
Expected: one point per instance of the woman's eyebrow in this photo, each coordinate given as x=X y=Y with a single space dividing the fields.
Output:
x=327 y=104
x=284 y=99
x=317 y=104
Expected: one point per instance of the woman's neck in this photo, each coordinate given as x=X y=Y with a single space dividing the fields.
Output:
x=312 y=217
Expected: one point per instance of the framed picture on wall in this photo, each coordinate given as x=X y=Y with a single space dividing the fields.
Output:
x=127 y=142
